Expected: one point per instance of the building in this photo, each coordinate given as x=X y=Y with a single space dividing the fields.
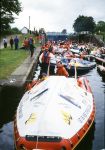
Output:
x=56 y=36
x=24 y=30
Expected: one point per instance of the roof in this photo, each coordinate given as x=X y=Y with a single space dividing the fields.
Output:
x=24 y=28
x=55 y=34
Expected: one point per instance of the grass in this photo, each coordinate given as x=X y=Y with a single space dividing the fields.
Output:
x=10 y=60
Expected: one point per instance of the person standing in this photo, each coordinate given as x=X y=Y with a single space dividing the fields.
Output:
x=5 y=42
x=52 y=61
x=31 y=46
x=11 y=42
x=26 y=43
x=44 y=60
x=16 y=42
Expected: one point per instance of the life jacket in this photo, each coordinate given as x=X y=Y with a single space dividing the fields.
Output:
x=61 y=71
x=33 y=83
x=26 y=43
x=45 y=57
x=30 y=41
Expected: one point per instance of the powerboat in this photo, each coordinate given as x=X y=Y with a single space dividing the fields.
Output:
x=55 y=114
x=101 y=70
x=82 y=66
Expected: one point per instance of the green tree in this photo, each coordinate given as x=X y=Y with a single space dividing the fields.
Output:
x=36 y=33
x=42 y=31
x=15 y=30
x=64 y=31
x=100 y=27
x=84 y=23
x=43 y=34
x=8 y=9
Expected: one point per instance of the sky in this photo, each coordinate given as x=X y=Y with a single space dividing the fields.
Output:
x=56 y=15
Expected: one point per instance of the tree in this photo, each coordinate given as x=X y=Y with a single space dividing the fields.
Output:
x=42 y=31
x=36 y=33
x=8 y=9
x=43 y=36
x=100 y=27
x=84 y=23
x=15 y=30
x=64 y=31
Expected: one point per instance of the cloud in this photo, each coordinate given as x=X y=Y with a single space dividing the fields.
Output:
x=56 y=15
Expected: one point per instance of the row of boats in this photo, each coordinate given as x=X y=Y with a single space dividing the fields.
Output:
x=82 y=66
x=101 y=65
x=71 y=54
x=83 y=61
x=58 y=111
x=99 y=55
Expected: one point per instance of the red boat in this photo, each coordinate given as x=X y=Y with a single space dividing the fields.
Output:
x=54 y=114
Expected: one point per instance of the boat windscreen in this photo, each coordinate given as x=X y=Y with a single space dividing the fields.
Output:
x=85 y=62
x=39 y=94
x=43 y=138
x=69 y=99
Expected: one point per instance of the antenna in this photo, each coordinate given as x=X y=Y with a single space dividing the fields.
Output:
x=48 y=71
x=75 y=70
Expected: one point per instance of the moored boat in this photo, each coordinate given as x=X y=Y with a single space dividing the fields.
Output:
x=101 y=70
x=100 y=60
x=55 y=114
x=82 y=66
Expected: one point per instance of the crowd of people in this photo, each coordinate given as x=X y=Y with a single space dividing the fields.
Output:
x=47 y=60
x=49 y=51
x=12 y=41
x=28 y=43
x=65 y=49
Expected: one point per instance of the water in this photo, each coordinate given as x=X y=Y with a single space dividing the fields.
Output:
x=95 y=138
x=97 y=134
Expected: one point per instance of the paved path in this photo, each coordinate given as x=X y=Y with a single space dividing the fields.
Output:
x=22 y=72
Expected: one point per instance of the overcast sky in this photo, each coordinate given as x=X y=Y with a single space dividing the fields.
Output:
x=56 y=15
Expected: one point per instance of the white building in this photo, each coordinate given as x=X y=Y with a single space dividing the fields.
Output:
x=24 y=30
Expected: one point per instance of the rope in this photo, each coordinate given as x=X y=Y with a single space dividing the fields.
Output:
x=37 y=142
x=48 y=71
x=75 y=71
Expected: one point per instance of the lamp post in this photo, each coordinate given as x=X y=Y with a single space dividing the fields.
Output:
x=29 y=22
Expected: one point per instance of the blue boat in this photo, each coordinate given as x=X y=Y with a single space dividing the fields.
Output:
x=82 y=66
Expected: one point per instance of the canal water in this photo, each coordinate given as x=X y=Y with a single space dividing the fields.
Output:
x=94 y=139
